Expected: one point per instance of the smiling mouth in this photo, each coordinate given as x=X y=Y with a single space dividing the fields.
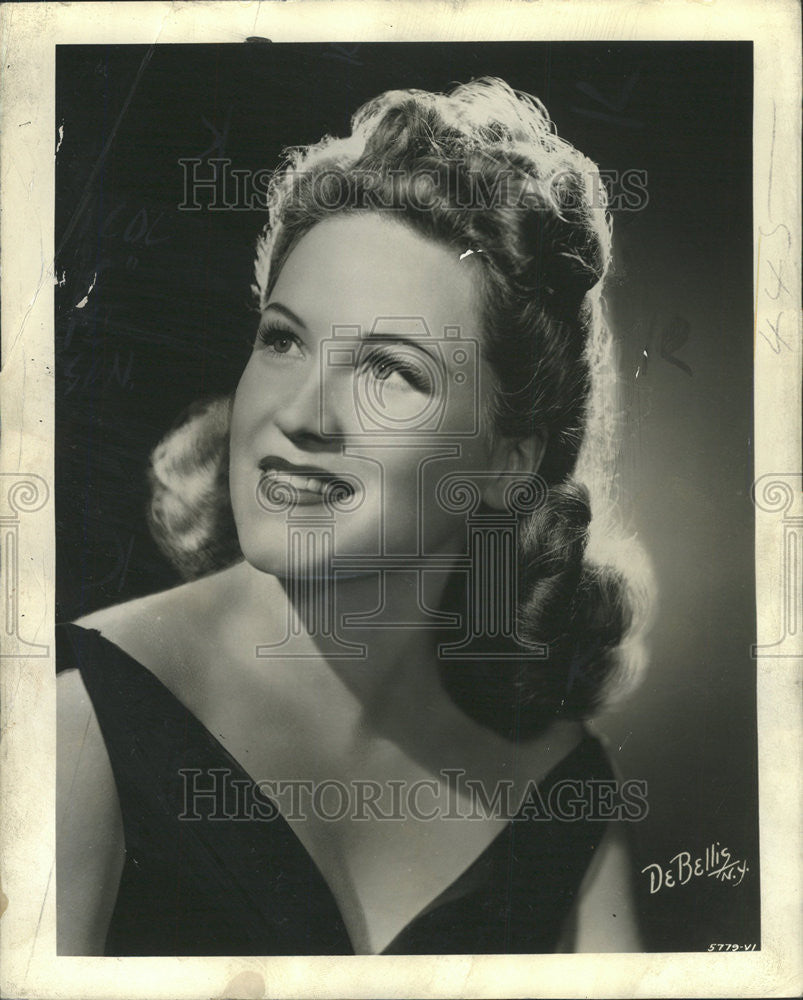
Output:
x=305 y=484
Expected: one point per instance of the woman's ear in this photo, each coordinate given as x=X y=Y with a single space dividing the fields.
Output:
x=511 y=456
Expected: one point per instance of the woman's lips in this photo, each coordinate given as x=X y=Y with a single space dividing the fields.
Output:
x=304 y=489
x=311 y=484
x=306 y=484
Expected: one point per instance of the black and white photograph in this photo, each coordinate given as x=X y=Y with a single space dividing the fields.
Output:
x=373 y=469
x=404 y=499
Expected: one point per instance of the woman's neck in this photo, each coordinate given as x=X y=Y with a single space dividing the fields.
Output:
x=387 y=694
x=377 y=635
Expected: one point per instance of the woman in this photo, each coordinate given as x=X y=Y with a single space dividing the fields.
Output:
x=430 y=329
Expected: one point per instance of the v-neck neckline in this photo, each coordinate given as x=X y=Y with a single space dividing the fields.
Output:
x=242 y=775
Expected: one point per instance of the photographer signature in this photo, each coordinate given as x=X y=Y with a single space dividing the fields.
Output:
x=715 y=862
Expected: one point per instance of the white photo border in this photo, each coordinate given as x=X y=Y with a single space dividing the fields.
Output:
x=30 y=32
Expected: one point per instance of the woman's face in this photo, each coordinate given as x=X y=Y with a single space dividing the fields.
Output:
x=367 y=369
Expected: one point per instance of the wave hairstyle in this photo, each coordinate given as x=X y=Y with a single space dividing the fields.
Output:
x=479 y=168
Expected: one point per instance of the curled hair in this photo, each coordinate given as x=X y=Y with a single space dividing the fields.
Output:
x=190 y=514
x=482 y=169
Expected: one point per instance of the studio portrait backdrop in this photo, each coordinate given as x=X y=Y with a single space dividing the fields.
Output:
x=154 y=312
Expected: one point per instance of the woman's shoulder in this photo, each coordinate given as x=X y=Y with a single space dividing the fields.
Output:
x=156 y=628
x=171 y=606
x=89 y=845
x=145 y=628
x=180 y=633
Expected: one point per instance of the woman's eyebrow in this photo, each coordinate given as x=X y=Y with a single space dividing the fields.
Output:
x=287 y=313
x=382 y=336
x=397 y=338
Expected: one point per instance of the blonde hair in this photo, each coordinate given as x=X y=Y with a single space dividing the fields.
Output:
x=545 y=236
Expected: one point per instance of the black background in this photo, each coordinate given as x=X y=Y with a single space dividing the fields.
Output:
x=169 y=319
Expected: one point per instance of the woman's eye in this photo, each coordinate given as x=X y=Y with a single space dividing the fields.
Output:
x=281 y=344
x=277 y=340
x=384 y=368
x=398 y=370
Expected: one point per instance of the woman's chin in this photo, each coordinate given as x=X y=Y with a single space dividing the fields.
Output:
x=275 y=562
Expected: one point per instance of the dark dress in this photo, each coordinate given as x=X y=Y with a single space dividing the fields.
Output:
x=245 y=885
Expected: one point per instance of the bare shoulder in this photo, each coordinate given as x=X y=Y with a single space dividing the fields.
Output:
x=138 y=624
x=604 y=917
x=89 y=833
x=90 y=837
x=184 y=634
x=162 y=630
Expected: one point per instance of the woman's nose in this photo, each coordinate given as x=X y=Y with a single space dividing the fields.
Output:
x=308 y=415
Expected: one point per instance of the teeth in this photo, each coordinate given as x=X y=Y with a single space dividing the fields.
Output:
x=307 y=484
